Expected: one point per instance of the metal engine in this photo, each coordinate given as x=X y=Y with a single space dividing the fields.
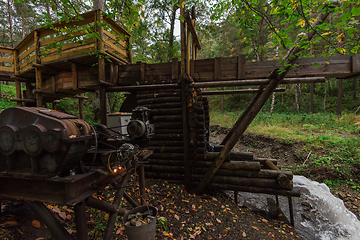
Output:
x=38 y=142
x=140 y=125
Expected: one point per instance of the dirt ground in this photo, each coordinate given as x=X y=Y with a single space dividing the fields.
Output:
x=182 y=215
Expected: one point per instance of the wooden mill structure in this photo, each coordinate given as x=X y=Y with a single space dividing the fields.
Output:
x=93 y=53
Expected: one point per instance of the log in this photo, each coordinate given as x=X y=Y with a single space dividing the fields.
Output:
x=251 y=166
x=254 y=189
x=238 y=181
x=282 y=179
x=158 y=100
x=158 y=94
x=163 y=105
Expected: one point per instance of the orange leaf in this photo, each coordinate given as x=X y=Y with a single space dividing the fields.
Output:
x=172 y=211
x=36 y=224
x=244 y=234
x=68 y=217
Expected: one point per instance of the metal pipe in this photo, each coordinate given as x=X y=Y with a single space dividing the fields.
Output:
x=81 y=221
x=112 y=218
x=130 y=200
x=47 y=217
x=105 y=206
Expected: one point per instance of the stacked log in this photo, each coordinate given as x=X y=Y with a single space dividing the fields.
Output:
x=241 y=171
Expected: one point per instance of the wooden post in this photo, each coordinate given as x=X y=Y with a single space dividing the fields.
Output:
x=339 y=99
x=184 y=86
x=129 y=51
x=18 y=92
x=312 y=98
x=258 y=102
x=103 y=105
x=38 y=74
x=81 y=108
x=188 y=48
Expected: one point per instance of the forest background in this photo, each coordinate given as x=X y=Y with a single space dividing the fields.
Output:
x=262 y=30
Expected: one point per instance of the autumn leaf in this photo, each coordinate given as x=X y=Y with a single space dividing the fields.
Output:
x=172 y=211
x=36 y=224
x=62 y=215
x=244 y=234
x=218 y=220
x=68 y=217
x=106 y=217
x=256 y=228
x=208 y=224
x=212 y=214
x=177 y=217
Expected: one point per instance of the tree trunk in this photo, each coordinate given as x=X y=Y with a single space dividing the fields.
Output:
x=339 y=100
x=171 y=37
x=99 y=4
x=297 y=97
x=10 y=25
x=325 y=92
x=354 y=88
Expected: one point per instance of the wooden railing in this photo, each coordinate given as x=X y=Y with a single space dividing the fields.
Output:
x=90 y=33
x=6 y=59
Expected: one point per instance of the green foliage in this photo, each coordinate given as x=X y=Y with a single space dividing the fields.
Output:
x=7 y=92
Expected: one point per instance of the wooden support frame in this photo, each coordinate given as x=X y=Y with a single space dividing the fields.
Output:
x=255 y=106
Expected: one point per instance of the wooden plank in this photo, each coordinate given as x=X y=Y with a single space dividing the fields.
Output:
x=27 y=52
x=142 y=72
x=115 y=48
x=68 y=46
x=115 y=56
x=67 y=36
x=6 y=50
x=75 y=52
x=114 y=73
x=26 y=43
x=175 y=68
x=57 y=26
x=113 y=37
x=6 y=69
x=5 y=59
x=53 y=84
x=217 y=68
x=241 y=67
x=114 y=26
x=355 y=63
x=37 y=47
x=18 y=92
x=25 y=68
x=27 y=62
x=74 y=76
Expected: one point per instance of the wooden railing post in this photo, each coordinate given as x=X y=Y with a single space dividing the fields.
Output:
x=38 y=74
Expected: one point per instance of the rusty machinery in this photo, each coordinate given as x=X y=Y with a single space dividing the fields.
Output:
x=54 y=157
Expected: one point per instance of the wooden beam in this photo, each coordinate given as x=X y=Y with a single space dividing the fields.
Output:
x=188 y=49
x=81 y=108
x=192 y=29
x=239 y=91
x=254 y=82
x=18 y=91
x=182 y=38
x=245 y=120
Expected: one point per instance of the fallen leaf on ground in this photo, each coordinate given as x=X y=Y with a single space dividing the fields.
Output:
x=62 y=215
x=218 y=220
x=68 y=217
x=36 y=224
x=244 y=234
x=212 y=213
x=172 y=211
x=256 y=228
x=177 y=217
